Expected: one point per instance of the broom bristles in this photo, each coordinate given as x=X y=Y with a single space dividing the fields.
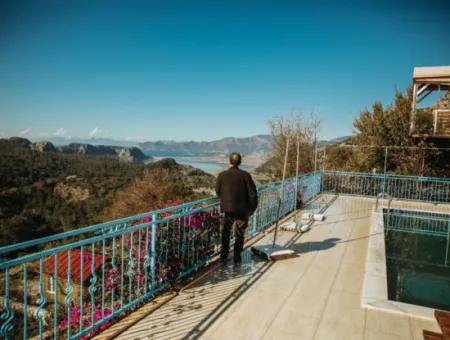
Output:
x=282 y=254
x=270 y=253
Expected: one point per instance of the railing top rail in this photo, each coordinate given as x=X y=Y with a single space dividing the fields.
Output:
x=422 y=218
x=381 y=175
x=415 y=212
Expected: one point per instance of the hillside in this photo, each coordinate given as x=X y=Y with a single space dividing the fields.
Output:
x=47 y=192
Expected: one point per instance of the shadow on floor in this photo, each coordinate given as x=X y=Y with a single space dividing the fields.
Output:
x=328 y=222
x=196 y=309
x=360 y=238
x=308 y=246
x=192 y=313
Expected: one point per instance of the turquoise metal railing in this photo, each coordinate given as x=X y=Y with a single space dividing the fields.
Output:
x=426 y=189
x=395 y=187
x=73 y=284
x=417 y=221
x=428 y=242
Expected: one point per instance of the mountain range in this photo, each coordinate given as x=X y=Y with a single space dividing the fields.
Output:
x=259 y=144
x=125 y=154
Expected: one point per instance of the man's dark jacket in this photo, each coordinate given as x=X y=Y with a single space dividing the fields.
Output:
x=237 y=191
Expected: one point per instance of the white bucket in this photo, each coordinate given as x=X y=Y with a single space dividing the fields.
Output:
x=319 y=217
x=307 y=216
x=290 y=226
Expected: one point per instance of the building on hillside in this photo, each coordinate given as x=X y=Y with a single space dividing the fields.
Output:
x=80 y=273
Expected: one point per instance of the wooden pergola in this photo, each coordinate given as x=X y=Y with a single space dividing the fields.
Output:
x=425 y=81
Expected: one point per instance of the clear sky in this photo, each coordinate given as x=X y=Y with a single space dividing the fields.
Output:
x=202 y=70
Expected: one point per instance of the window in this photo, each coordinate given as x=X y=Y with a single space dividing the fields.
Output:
x=51 y=284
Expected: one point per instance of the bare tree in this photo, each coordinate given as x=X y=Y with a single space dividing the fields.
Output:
x=302 y=135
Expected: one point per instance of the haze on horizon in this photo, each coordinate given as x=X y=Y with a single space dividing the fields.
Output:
x=204 y=70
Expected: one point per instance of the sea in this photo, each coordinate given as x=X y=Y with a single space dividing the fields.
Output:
x=211 y=167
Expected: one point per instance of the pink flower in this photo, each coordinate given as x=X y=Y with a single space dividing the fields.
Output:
x=62 y=324
x=196 y=221
x=97 y=314
x=112 y=279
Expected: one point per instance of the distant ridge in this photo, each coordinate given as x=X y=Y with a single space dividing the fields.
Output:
x=125 y=154
x=334 y=141
x=258 y=143
x=59 y=141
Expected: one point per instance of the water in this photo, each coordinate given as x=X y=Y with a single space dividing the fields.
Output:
x=211 y=167
x=205 y=166
x=418 y=267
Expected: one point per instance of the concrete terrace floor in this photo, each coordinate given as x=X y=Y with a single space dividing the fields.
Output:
x=316 y=295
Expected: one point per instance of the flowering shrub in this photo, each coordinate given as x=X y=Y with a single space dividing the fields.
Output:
x=112 y=279
x=181 y=243
x=76 y=318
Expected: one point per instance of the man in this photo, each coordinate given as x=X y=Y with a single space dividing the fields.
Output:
x=239 y=200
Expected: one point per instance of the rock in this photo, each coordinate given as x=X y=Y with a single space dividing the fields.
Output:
x=83 y=149
x=43 y=146
x=133 y=154
x=124 y=154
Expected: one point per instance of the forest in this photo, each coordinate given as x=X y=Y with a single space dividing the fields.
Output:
x=43 y=193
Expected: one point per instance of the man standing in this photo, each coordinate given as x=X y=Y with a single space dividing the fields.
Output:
x=239 y=200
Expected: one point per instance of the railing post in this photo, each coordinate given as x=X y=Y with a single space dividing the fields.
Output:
x=448 y=243
x=153 y=251
x=319 y=184
x=296 y=172
x=254 y=223
x=8 y=314
x=385 y=168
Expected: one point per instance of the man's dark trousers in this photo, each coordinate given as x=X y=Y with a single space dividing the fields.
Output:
x=240 y=222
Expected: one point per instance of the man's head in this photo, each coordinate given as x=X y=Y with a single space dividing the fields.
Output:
x=235 y=159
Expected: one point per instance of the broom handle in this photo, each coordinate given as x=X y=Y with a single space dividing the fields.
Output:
x=296 y=175
x=280 y=198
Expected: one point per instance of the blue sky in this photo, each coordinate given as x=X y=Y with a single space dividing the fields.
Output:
x=202 y=70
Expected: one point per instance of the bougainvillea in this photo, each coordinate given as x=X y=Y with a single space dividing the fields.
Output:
x=182 y=242
x=76 y=318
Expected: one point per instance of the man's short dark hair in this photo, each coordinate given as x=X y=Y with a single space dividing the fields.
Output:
x=235 y=159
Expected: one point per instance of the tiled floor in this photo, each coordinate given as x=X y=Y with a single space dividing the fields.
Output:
x=314 y=296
